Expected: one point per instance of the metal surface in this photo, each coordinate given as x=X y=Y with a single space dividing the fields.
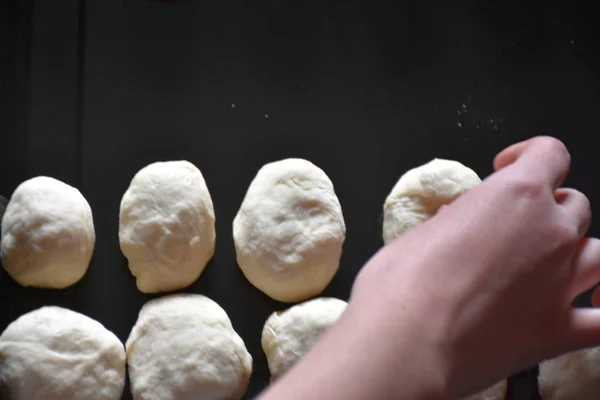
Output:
x=91 y=91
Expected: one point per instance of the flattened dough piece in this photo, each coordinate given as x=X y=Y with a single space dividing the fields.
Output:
x=494 y=392
x=47 y=234
x=571 y=376
x=288 y=335
x=53 y=353
x=167 y=226
x=184 y=347
x=289 y=230
x=421 y=191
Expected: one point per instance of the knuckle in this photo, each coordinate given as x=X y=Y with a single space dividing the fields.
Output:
x=565 y=233
x=583 y=212
x=553 y=145
x=527 y=187
x=586 y=204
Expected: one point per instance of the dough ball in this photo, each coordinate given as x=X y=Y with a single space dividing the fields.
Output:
x=288 y=335
x=184 y=347
x=571 y=376
x=289 y=231
x=47 y=234
x=57 y=354
x=494 y=392
x=421 y=191
x=167 y=226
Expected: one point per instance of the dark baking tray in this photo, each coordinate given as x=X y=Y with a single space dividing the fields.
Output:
x=91 y=91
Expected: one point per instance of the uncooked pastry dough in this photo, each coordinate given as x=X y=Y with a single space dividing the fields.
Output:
x=494 y=392
x=47 y=234
x=53 y=353
x=167 y=226
x=183 y=347
x=288 y=335
x=571 y=376
x=421 y=191
x=289 y=230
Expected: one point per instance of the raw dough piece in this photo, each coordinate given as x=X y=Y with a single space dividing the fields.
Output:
x=54 y=353
x=288 y=335
x=421 y=191
x=571 y=376
x=167 y=226
x=289 y=231
x=183 y=347
x=494 y=392
x=47 y=234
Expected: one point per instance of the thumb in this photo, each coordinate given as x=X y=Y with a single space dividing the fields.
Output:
x=510 y=154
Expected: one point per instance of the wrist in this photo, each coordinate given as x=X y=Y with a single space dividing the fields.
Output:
x=410 y=325
x=364 y=356
x=406 y=358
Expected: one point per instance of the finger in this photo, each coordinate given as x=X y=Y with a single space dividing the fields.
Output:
x=510 y=154
x=577 y=206
x=544 y=156
x=584 y=328
x=587 y=266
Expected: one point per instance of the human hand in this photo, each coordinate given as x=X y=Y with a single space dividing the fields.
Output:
x=489 y=281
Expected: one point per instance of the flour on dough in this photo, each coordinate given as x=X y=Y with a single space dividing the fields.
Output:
x=289 y=230
x=288 y=335
x=47 y=234
x=494 y=392
x=53 y=353
x=574 y=375
x=421 y=191
x=167 y=226
x=184 y=347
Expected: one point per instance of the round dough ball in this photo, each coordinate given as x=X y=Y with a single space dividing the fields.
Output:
x=57 y=354
x=184 y=347
x=571 y=376
x=47 y=234
x=288 y=335
x=421 y=191
x=494 y=392
x=289 y=231
x=167 y=226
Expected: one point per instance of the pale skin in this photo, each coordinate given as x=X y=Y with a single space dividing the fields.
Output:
x=477 y=293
